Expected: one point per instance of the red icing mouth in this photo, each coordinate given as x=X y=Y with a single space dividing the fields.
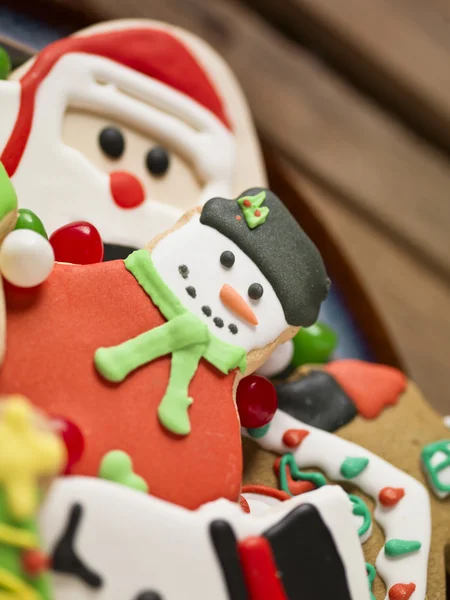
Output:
x=126 y=189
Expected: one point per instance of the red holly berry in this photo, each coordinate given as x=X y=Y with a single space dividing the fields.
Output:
x=256 y=400
x=78 y=243
x=34 y=562
x=73 y=440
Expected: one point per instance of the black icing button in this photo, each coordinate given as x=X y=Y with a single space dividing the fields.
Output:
x=157 y=161
x=206 y=311
x=183 y=271
x=111 y=142
x=149 y=595
x=218 y=322
x=191 y=291
x=233 y=328
x=227 y=259
x=255 y=291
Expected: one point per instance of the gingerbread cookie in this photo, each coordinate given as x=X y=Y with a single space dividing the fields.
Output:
x=390 y=449
x=143 y=355
x=126 y=125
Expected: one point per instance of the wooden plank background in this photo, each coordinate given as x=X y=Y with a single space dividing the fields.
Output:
x=363 y=125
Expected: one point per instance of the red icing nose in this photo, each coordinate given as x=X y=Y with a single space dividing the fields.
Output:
x=126 y=189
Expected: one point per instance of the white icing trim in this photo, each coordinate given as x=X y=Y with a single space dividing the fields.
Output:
x=410 y=519
x=137 y=542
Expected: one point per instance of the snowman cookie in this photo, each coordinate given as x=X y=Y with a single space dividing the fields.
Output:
x=144 y=355
x=126 y=125
x=392 y=452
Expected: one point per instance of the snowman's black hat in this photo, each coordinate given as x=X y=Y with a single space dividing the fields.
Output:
x=263 y=228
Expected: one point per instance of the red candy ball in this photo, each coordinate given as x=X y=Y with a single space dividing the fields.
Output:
x=73 y=440
x=78 y=243
x=256 y=400
x=34 y=562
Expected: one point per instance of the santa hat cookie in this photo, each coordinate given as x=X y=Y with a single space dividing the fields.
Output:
x=156 y=342
x=141 y=116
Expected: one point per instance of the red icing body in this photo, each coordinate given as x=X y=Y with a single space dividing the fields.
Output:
x=260 y=569
x=152 y=52
x=53 y=332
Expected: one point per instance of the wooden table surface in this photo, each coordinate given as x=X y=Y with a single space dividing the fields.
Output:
x=355 y=96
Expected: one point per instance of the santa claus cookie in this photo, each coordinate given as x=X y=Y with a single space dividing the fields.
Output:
x=126 y=125
x=391 y=453
x=142 y=355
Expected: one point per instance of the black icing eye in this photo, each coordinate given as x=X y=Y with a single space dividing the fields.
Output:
x=112 y=142
x=149 y=595
x=255 y=291
x=227 y=259
x=157 y=161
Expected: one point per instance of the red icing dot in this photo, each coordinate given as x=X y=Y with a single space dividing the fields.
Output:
x=73 y=440
x=256 y=400
x=401 y=591
x=244 y=504
x=247 y=203
x=78 y=243
x=295 y=487
x=371 y=387
x=126 y=189
x=390 y=496
x=238 y=218
x=257 y=213
x=34 y=561
x=292 y=438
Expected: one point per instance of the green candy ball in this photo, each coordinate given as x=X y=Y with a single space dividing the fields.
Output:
x=29 y=220
x=314 y=344
x=5 y=64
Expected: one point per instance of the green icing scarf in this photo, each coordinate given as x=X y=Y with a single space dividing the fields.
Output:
x=184 y=336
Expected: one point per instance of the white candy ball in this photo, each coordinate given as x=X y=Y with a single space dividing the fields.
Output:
x=26 y=258
x=278 y=361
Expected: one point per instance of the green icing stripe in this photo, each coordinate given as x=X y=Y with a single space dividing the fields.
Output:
x=8 y=198
x=353 y=466
x=395 y=548
x=258 y=432
x=361 y=509
x=371 y=574
x=117 y=466
x=427 y=454
x=288 y=460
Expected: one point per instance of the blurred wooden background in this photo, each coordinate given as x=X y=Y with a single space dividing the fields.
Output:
x=355 y=96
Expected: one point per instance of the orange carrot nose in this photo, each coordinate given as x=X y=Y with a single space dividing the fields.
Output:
x=236 y=303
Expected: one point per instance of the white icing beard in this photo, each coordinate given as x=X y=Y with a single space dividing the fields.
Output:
x=62 y=186
x=137 y=543
x=199 y=247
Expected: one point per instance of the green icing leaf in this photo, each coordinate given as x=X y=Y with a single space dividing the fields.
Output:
x=27 y=219
x=353 y=466
x=314 y=344
x=400 y=547
x=360 y=509
x=288 y=460
x=117 y=466
x=8 y=198
x=5 y=63
x=254 y=213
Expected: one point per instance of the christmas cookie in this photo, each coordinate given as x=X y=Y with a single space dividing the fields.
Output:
x=126 y=125
x=391 y=455
x=217 y=551
x=144 y=355
x=31 y=454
